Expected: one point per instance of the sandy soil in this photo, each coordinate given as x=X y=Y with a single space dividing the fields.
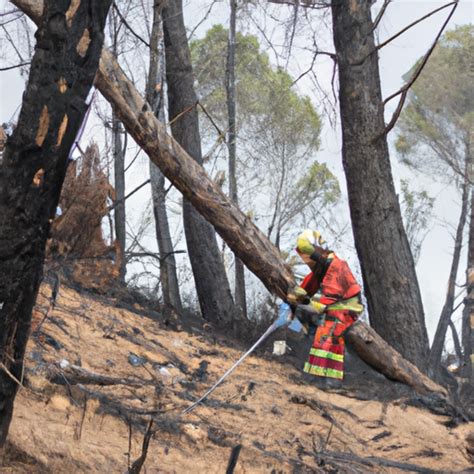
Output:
x=283 y=422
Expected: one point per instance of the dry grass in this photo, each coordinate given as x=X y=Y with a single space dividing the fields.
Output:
x=88 y=428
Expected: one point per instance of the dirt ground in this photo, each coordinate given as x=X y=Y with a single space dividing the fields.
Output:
x=282 y=420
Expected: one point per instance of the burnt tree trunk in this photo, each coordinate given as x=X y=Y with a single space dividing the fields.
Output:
x=445 y=317
x=236 y=229
x=69 y=42
x=388 y=270
x=155 y=97
x=240 y=296
x=212 y=286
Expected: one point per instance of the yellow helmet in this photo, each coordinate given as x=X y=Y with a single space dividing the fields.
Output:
x=307 y=240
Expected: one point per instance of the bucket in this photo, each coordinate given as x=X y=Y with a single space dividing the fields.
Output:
x=279 y=348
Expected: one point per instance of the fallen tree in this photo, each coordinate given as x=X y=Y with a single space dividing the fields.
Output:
x=236 y=229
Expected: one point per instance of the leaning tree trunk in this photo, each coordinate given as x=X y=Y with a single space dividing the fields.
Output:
x=445 y=317
x=388 y=270
x=69 y=42
x=235 y=228
x=240 y=295
x=210 y=277
x=154 y=96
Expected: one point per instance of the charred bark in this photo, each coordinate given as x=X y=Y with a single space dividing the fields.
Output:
x=242 y=236
x=212 y=286
x=388 y=270
x=69 y=42
x=154 y=96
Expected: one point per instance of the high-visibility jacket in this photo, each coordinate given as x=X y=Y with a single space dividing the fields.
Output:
x=337 y=281
x=334 y=281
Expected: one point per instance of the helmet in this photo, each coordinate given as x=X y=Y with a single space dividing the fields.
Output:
x=307 y=240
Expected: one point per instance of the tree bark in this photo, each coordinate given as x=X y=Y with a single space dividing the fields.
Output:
x=445 y=317
x=390 y=282
x=242 y=236
x=240 y=295
x=119 y=184
x=69 y=42
x=154 y=96
x=212 y=286
x=379 y=354
x=456 y=341
x=468 y=312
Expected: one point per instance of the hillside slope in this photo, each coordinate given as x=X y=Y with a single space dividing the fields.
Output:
x=283 y=421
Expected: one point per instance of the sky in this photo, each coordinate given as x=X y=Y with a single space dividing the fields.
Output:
x=395 y=59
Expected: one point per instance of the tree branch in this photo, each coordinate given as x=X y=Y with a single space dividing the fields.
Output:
x=124 y=21
x=153 y=255
x=303 y=3
x=7 y=68
x=116 y=203
x=316 y=53
x=203 y=19
x=404 y=90
x=381 y=45
x=380 y=14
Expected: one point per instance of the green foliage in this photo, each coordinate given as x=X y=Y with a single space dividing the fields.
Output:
x=435 y=126
x=209 y=56
x=319 y=180
x=417 y=210
x=278 y=131
x=264 y=94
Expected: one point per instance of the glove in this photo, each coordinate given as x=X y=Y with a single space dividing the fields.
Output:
x=318 y=307
x=297 y=296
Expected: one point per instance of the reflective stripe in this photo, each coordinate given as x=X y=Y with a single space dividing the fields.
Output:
x=323 y=372
x=326 y=363
x=326 y=354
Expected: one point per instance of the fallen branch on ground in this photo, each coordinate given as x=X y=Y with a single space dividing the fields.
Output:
x=73 y=375
x=324 y=410
x=374 y=461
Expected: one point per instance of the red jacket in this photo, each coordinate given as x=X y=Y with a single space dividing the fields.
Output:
x=338 y=282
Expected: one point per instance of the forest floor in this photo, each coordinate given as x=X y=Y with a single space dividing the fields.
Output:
x=283 y=421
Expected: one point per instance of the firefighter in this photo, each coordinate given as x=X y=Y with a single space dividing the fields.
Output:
x=330 y=282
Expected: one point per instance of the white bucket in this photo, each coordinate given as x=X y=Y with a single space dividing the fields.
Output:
x=279 y=348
